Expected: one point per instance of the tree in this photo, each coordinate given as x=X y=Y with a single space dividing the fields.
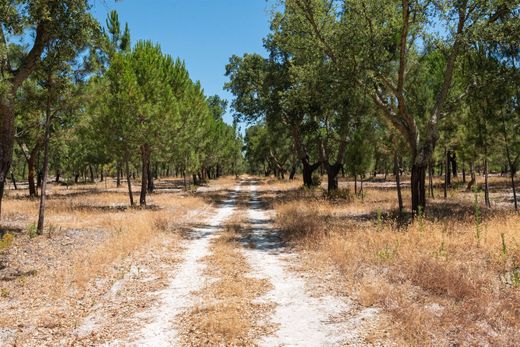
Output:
x=52 y=22
x=380 y=38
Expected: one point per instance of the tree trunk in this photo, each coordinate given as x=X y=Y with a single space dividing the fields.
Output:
x=129 y=183
x=194 y=177
x=463 y=172
x=513 y=186
x=7 y=130
x=355 y=184
x=151 y=185
x=332 y=176
x=57 y=178
x=418 y=188
x=145 y=159
x=486 y=184
x=308 y=170
x=454 y=166
x=76 y=178
x=293 y=172
x=91 y=170
x=472 y=175
x=118 y=176
x=447 y=176
x=31 y=172
x=43 y=194
x=398 y=182
x=430 y=179
x=14 y=181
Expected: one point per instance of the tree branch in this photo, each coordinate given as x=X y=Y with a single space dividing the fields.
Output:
x=31 y=59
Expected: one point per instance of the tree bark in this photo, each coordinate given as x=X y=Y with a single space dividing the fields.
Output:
x=332 y=176
x=293 y=172
x=447 y=180
x=472 y=175
x=145 y=159
x=418 y=188
x=308 y=170
x=430 y=179
x=91 y=170
x=150 y=185
x=43 y=194
x=398 y=182
x=31 y=173
x=118 y=176
x=486 y=183
x=454 y=166
x=129 y=183
x=14 y=181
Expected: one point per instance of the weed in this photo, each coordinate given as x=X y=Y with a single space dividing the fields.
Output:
x=504 y=246
x=4 y=293
x=6 y=240
x=32 y=230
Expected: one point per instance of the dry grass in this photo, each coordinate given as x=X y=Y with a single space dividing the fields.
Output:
x=90 y=232
x=227 y=315
x=445 y=280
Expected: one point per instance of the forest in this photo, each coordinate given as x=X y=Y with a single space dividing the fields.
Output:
x=368 y=179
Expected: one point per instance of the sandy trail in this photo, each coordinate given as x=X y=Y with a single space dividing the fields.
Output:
x=188 y=278
x=303 y=319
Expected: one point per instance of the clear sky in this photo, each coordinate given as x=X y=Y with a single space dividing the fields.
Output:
x=204 y=33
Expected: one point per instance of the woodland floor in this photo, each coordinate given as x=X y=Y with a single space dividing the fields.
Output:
x=258 y=262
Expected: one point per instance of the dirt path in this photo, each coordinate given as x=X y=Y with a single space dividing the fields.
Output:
x=305 y=318
x=177 y=297
x=303 y=314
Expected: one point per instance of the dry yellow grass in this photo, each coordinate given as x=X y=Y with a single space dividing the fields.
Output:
x=452 y=279
x=227 y=315
x=90 y=232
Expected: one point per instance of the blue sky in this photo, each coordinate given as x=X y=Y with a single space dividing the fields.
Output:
x=204 y=33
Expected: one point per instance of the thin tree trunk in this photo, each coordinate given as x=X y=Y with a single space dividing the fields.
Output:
x=145 y=157
x=486 y=184
x=447 y=176
x=463 y=171
x=31 y=177
x=513 y=186
x=355 y=184
x=43 y=194
x=398 y=182
x=14 y=181
x=118 y=175
x=91 y=170
x=430 y=179
x=129 y=183
x=151 y=185
x=473 y=177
